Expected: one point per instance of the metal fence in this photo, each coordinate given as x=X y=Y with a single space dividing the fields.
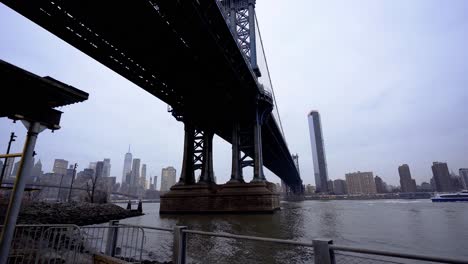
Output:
x=120 y=241
x=134 y=244
x=324 y=252
x=46 y=244
x=73 y=244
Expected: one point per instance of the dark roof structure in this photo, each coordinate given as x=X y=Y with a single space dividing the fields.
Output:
x=27 y=96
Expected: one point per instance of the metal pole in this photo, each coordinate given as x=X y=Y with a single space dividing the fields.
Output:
x=180 y=245
x=12 y=138
x=71 y=184
x=322 y=252
x=18 y=190
x=112 y=235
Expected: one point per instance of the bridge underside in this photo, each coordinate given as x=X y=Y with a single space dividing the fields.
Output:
x=179 y=51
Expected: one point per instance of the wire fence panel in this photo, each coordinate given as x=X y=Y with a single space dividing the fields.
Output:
x=123 y=242
x=47 y=244
x=158 y=245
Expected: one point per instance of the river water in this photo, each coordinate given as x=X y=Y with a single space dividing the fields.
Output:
x=415 y=226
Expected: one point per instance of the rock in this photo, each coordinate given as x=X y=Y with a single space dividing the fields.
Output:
x=71 y=213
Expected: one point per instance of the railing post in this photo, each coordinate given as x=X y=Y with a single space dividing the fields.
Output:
x=322 y=252
x=112 y=235
x=180 y=245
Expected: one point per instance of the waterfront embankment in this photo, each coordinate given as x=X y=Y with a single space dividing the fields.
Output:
x=78 y=213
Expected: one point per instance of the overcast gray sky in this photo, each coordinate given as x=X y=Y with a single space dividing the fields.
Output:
x=388 y=77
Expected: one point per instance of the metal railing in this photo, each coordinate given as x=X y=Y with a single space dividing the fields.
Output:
x=73 y=244
x=120 y=241
x=323 y=250
x=46 y=244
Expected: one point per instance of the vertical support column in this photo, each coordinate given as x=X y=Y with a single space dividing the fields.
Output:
x=236 y=172
x=207 y=175
x=112 y=235
x=18 y=190
x=187 y=175
x=180 y=245
x=258 y=153
x=233 y=20
x=322 y=252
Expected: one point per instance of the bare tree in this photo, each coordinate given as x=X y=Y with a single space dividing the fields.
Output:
x=91 y=187
x=94 y=195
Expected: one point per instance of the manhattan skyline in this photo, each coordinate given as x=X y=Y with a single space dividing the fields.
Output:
x=401 y=102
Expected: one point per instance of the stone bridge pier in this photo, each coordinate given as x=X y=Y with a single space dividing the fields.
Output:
x=235 y=196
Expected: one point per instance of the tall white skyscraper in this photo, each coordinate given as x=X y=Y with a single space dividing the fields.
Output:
x=127 y=165
x=318 y=152
x=143 y=177
x=168 y=178
x=135 y=179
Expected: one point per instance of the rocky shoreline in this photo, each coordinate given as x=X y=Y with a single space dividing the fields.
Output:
x=78 y=213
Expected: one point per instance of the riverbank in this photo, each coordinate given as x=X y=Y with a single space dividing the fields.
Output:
x=78 y=213
x=378 y=196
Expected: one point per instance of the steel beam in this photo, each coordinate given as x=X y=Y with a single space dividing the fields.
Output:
x=207 y=174
x=236 y=169
x=258 y=176
x=187 y=175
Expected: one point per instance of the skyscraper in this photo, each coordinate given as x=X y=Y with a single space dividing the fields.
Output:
x=143 y=176
x=464 y=177
x=37 y=170
x=155 y=182
x=407 y=184
x=99 y=172
x=168 y=178
x=107 y=168
x=380 y=185
x=360 y=183
x=135 y=172
x=339 y=186
x=8 y=167
x=441 y=177
x=15 y=169
x=127 y=165
x=92 y=165
x=318 y=152
x=60 y=167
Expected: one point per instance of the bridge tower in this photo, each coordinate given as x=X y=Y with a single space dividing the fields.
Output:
x=188 y=195
x=240 y=17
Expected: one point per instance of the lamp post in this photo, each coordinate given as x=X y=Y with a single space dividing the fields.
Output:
x=60 y=188
x=71 y=184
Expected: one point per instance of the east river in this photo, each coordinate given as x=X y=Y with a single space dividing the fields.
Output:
x=415 y=226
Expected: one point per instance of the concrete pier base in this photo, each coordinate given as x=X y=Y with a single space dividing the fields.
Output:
x=258 y=197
